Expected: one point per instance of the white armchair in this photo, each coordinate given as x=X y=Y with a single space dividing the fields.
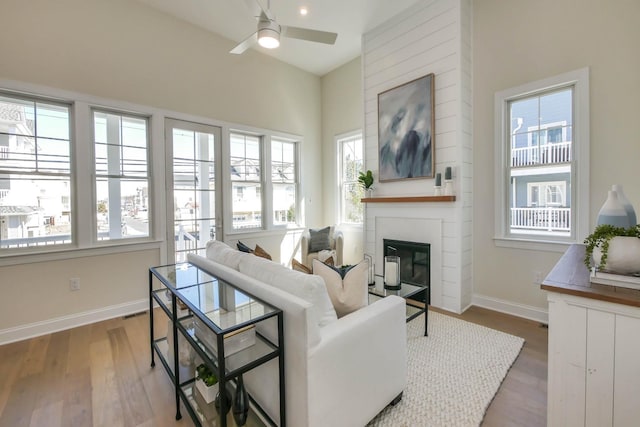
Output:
x=311 y=246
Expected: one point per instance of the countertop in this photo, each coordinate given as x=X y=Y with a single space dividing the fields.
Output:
x=570 y=276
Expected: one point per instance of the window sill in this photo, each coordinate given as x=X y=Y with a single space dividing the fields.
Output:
x=532 y=244
x=75 y=252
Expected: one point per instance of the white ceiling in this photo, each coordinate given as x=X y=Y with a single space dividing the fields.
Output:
x=349 y=18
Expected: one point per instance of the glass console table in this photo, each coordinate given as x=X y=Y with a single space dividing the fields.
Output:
x=203 y=312
x=406 y=291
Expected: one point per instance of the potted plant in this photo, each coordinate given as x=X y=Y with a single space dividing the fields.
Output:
x=614 y=249
x=366 y=181
x=206 y=383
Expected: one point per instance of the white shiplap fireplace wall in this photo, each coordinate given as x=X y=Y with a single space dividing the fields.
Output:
x=431 y=37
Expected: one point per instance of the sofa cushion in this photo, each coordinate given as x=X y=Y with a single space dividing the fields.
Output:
x=224 y=254
x=319 y=239
x=306 y=286
x=347 y=294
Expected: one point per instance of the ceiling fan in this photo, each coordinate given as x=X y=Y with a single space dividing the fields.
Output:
x=269 y=31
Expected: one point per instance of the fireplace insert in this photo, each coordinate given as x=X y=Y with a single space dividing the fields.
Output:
x=415 y=264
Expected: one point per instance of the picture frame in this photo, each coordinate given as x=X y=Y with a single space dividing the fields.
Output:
x=406 y=130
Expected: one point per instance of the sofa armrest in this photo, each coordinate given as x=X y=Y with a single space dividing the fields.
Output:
x=304 y=246
x=338 y=245
x=359 y=366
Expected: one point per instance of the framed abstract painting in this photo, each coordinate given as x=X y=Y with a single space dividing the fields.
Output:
x=406 y=122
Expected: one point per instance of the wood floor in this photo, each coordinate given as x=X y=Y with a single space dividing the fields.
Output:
x=99 y=375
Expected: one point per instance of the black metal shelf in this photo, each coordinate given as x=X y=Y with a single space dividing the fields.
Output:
x=230 y=367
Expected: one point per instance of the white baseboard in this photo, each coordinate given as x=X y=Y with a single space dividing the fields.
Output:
x=36 y=329
x=526 y=311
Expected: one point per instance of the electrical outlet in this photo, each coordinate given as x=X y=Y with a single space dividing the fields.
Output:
x=537 y=277
x=74 y=284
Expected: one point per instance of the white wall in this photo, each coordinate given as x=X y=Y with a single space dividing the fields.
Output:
x=123 y=50
x=431 y=37
x=341 y=113
x=519 y=41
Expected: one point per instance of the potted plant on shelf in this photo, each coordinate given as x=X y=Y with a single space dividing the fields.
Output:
x=206 y=383
x=614 y=249
x=366 y=181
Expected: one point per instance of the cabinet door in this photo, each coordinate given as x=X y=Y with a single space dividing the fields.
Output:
x=626 y=392
x=567 y=363
x=599 y=372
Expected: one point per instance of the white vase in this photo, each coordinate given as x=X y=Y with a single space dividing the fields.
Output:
x=631 y=213
x=613 y=212
x=623 y=256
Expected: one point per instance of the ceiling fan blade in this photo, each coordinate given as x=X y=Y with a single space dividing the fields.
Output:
x=245 y=44
x=264 y=10
x=309 y=35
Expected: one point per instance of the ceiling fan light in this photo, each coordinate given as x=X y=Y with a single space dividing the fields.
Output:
x=268 y=38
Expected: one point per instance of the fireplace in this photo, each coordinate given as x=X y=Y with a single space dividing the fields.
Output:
x=415 y=263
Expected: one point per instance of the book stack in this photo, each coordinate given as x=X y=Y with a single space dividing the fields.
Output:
x=601 y=277
x=233 y=341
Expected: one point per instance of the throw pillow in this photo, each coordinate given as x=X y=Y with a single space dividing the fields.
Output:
x=319 y=239
x=298 y=266
x=347 y=294
x=261 y=252
x=244 y=248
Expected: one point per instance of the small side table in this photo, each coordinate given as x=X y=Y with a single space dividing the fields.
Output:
x=406 y=291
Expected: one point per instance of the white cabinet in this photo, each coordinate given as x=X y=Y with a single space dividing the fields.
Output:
x=594 y=362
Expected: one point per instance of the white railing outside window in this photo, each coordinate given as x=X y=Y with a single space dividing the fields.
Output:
x=541 y=219
x=541 y=155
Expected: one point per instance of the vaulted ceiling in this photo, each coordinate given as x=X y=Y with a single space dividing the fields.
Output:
x=234 y=20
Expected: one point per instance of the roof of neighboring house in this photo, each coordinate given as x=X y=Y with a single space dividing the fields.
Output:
x=18 y=210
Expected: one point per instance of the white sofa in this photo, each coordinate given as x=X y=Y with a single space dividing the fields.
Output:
x=338 y=372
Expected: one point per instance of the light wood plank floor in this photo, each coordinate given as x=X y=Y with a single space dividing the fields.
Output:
x=99 y=375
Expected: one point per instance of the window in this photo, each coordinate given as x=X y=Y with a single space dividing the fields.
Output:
x=35 y=172
x=245 y=161
x=350 y=158
x=122 y=180
x=193 y=210
x=284 y=181
x=543 y=147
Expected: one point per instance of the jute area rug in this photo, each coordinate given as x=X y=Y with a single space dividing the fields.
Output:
x=453 y=374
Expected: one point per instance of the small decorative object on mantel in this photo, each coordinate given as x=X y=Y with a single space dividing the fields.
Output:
x=437 y=188
x=366 y=181
x=448 y=182
x=613 y=250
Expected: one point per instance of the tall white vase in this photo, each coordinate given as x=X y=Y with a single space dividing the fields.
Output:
x=631 y=213
x=613 y=212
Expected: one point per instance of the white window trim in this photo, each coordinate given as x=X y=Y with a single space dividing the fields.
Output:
x=268 y=226
x=338 y=184
x=579 y=79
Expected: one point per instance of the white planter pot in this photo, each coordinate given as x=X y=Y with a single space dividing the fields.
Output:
x=623 y=256
x=207 y=393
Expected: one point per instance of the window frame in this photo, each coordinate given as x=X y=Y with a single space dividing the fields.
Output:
x=579 y=80
x=340 y=141
x=71 y=176
x=149 y=174
x=296 y=181
x=266 y=190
